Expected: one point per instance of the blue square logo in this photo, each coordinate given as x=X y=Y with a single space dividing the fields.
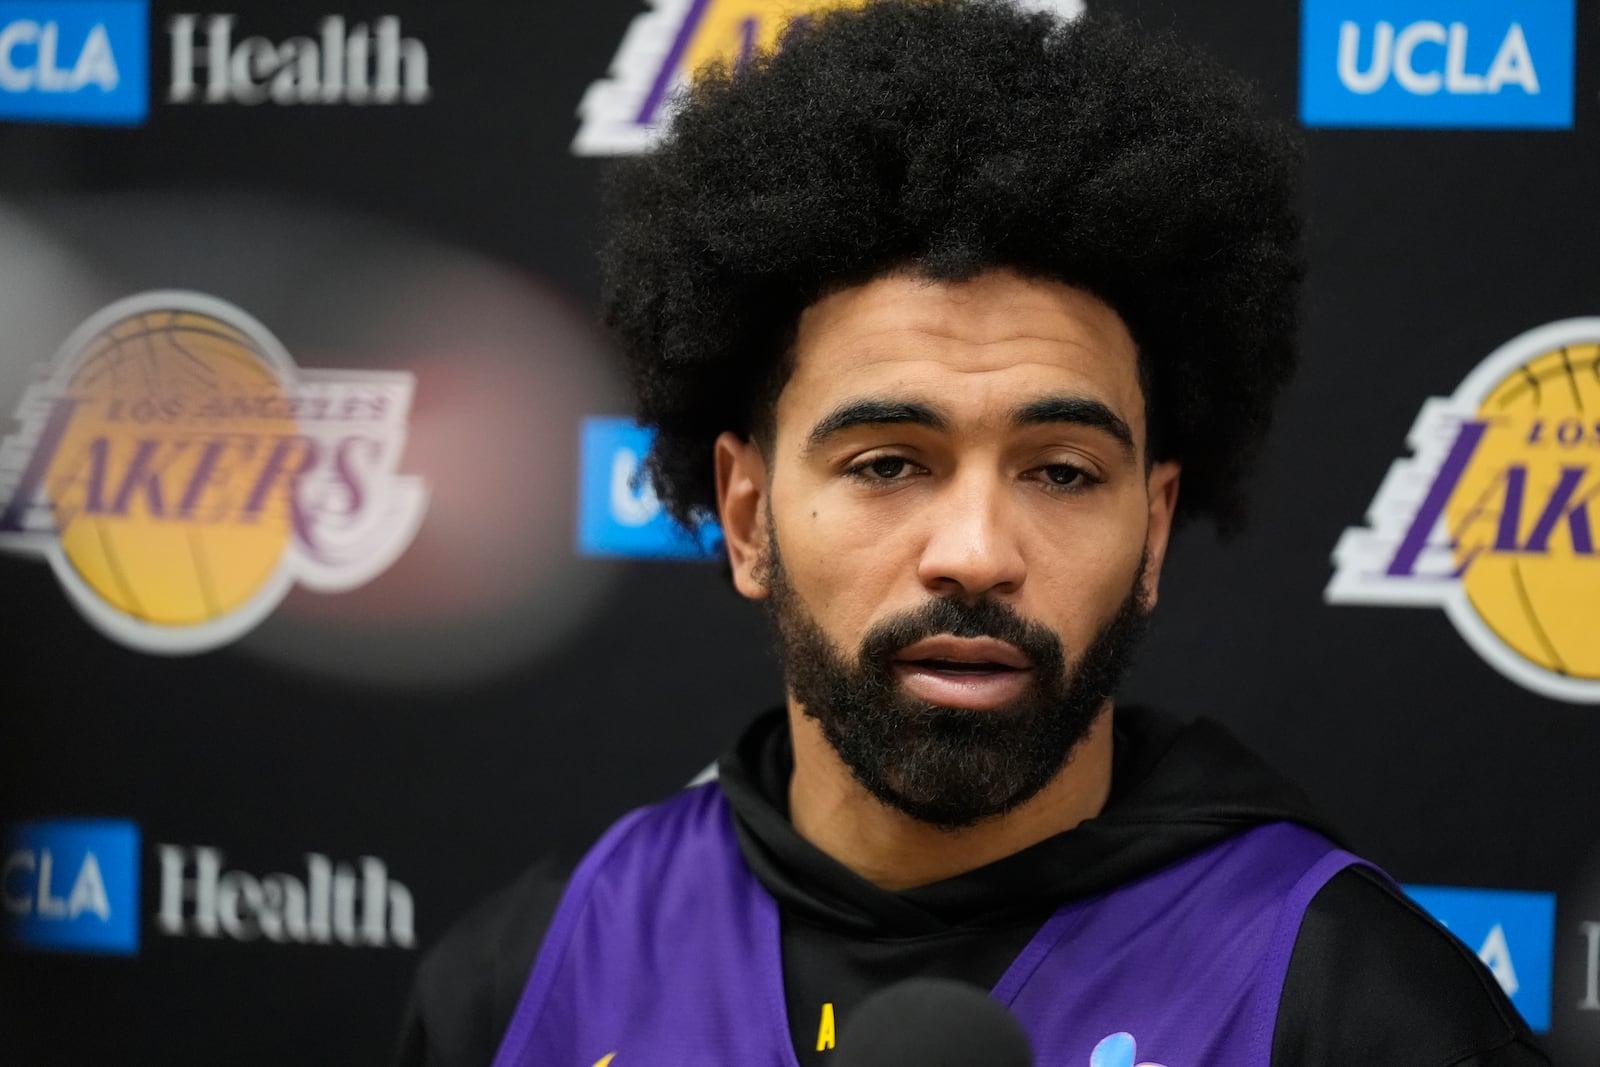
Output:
x=1493 y=64
x=75 y=61
x=72 y=885
x=1512 y=931
x=618 y=513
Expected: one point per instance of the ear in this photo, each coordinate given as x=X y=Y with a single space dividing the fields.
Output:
x=741 y=507
x=1161 y=488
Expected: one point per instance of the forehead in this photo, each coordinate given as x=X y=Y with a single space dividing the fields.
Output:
x=974 y=347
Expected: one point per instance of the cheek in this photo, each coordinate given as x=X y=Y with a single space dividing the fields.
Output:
x=844 y=566
x=1078 y=579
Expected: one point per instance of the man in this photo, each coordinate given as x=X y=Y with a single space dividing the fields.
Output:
x=951 y=314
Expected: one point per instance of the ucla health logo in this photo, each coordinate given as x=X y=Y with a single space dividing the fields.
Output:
x=1490 y=520
x=619 y=514
x=1513 y=933
x=83 y=61
x=1444 y=63
x=179 y=473
x=72 y=885
x=621 y=113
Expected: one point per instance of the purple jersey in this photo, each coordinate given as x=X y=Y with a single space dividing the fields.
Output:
x=665 y=952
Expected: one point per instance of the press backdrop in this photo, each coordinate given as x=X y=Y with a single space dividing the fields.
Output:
x=403 y=197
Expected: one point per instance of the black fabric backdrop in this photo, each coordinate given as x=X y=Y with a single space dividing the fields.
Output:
x=460 y=746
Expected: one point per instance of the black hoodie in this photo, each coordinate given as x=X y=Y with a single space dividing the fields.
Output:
x=1372 y=980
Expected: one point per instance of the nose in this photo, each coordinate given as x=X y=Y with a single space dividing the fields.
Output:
x=973 y=546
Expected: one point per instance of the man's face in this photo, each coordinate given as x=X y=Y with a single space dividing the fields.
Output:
x=958 y=529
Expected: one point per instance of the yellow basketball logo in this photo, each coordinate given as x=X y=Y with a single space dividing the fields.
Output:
x=1493 y=519
x=667 y=44
x=180 y=473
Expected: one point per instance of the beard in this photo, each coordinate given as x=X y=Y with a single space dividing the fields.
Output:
x=950 y=767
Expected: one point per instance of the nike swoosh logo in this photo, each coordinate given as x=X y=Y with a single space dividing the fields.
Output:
x=605 y=1061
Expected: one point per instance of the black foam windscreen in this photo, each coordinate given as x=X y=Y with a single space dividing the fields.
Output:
x=933 y=1022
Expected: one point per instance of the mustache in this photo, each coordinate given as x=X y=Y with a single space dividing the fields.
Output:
x=943 y=616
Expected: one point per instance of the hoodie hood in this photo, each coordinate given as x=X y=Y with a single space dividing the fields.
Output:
x=1176 y=788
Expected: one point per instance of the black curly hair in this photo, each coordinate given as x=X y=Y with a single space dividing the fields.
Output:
x=949 y=137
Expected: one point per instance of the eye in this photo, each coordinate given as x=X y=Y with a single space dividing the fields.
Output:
x=888 y=467
x=1062 y=474
x=1063 y=477
x=878 y=469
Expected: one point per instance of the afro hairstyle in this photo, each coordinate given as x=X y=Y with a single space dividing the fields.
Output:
x=946 y=138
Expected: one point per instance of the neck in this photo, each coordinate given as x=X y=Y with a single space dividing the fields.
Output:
x=893 y=851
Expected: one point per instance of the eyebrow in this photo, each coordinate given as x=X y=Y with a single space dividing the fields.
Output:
x=874 y=413
x=1080 y=411
x=1076 y=410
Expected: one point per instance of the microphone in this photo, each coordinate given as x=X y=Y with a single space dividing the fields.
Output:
x=933 y=1022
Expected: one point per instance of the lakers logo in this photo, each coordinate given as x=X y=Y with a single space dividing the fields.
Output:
x=1492 y=519
x=180 y=473
x=621 y=114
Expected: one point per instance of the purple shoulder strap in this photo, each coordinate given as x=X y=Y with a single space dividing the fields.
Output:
x=1183 y=967
x=1275 y=969
x=558 y=938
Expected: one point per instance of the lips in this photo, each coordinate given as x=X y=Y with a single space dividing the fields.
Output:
x=944 y=666
x=965 y=654
x=979 y=673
